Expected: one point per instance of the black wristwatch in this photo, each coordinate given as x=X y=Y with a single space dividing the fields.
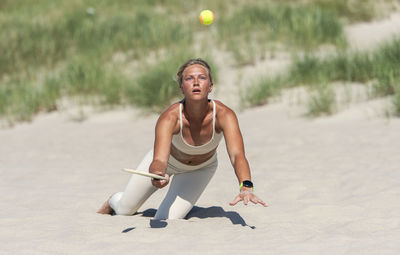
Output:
x=247 y=184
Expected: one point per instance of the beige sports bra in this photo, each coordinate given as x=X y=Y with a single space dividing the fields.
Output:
x=180 y=144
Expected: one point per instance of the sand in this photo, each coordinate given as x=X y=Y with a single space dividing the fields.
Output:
x=332 y=185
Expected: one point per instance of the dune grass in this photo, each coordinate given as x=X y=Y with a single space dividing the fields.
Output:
x=396 y=100
x=260 y=92
x=84 y=31
x=381 y=67
x=47 y=53
x=89 y=81
x=352 y=10
x=248 y=30
x=55 y=49
x=254 y=27
x=322 y=100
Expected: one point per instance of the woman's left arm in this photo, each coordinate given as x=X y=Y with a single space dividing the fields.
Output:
x=229 y=124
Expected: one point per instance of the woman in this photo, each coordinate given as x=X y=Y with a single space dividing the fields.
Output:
x=186 y=140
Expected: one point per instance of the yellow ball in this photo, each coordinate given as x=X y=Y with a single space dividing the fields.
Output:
x=206 y=17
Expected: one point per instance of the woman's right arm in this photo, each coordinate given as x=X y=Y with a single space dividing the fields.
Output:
x=164 y=130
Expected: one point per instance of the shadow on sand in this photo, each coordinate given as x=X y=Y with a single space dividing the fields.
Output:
x=196 y=212
x=217 y=211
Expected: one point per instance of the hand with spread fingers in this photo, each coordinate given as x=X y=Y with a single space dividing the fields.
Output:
x=247 y=195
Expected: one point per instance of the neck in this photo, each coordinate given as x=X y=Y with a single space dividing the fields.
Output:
x=196 y=111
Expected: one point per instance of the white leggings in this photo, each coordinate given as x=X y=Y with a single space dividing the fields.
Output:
x=184 y=190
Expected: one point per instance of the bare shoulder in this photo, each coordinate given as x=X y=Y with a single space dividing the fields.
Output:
x=223 y=110
x=225 y=115
x=170 y=117
x=171 y=112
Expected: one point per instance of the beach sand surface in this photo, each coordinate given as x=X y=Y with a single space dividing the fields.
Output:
x=332 y=185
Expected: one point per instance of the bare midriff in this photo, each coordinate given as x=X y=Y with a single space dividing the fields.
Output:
x=192 y=160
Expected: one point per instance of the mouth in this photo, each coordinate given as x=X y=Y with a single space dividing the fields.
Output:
x=196 y=91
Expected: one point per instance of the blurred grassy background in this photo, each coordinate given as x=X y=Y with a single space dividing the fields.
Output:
x=110 y=53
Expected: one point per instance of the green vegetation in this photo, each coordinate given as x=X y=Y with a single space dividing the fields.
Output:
x=82 y=31
x=322 y=101
x=252 y=28
x=352 y=10
x=396 y=100
x=47 y=53
x=120 y=52
x=382 y=67
x=260 y=92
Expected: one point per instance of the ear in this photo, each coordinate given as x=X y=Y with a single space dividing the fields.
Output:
x=211 y=87
x=181 y=88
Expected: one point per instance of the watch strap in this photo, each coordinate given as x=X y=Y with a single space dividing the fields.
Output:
x=247 y=184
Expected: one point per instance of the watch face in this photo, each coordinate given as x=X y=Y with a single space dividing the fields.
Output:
x=248 y=184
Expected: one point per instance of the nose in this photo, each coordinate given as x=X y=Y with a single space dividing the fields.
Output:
x=196 y=81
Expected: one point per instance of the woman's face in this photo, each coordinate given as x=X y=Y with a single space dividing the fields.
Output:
x=196 y=82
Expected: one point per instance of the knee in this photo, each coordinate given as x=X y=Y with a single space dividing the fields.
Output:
x=173 y=208
x=116 y=205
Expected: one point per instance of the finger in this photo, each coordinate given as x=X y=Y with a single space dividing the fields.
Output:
x=156 y=183
x=254 y=199
x=166 y=176
x=235 y=201
x=246 y=200
x=259 y=201
x=155 y=180
x=165 y=182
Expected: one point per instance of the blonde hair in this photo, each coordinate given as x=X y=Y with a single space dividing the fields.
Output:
x=195 y=61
